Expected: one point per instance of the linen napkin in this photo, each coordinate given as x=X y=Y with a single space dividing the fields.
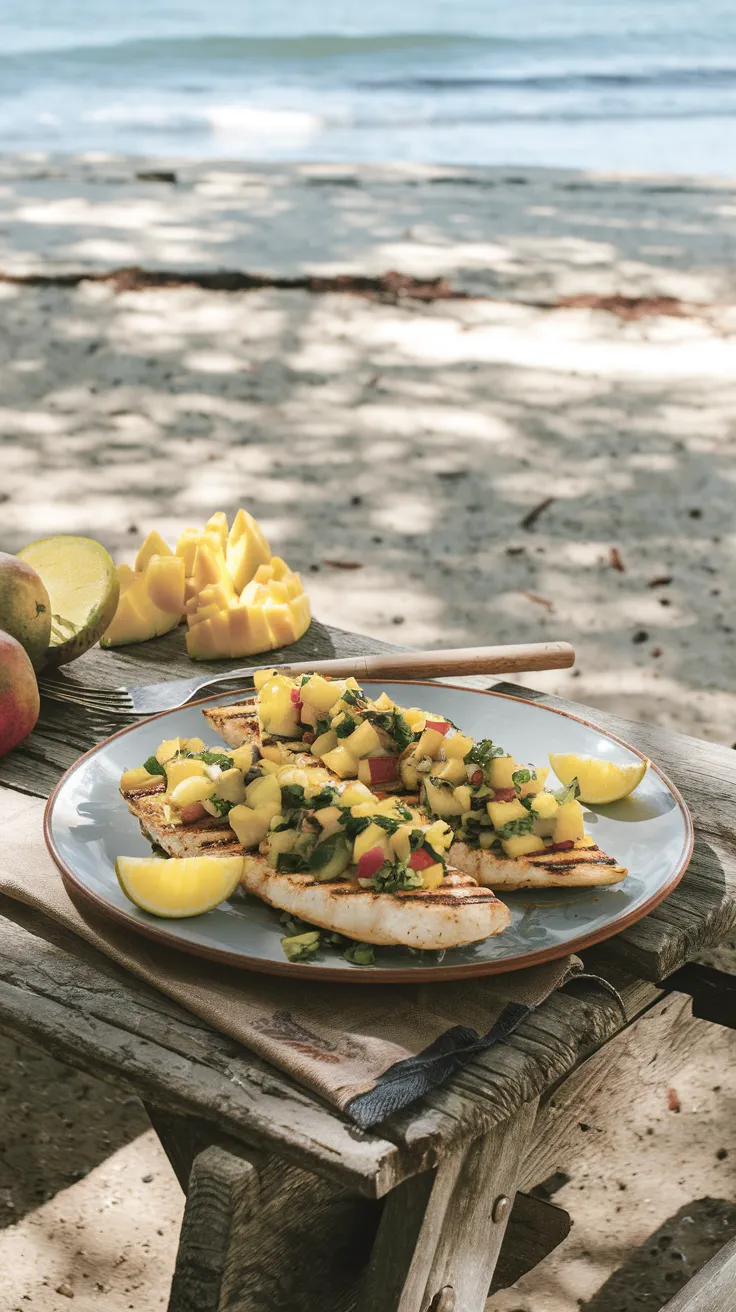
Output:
x=369 y=1050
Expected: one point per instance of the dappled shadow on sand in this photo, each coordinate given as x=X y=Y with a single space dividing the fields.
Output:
x=413 y=441
x=671 y=1256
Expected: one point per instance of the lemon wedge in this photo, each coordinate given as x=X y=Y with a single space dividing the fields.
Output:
x=82 y=583
x=178 y=886
x=600 y=781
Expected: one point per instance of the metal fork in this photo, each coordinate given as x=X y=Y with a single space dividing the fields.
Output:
x=153 y=698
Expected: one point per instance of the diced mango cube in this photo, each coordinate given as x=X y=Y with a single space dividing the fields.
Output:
x=363 y=740
x=321 y=693
x=341 y=762
x=456 y=746
x=545 y=805
x=500 y=771
x=522 y=845
x=503 y=812
x=569 y=823
x=535 y=785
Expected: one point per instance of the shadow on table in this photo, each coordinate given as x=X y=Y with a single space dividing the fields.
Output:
x=58 y=1125
x=667 y=1259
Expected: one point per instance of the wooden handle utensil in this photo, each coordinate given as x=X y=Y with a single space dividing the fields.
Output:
x=513 y=658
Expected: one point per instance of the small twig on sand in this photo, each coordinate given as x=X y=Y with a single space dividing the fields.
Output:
x=614 y=556
x=532 y=516
x=540 y=601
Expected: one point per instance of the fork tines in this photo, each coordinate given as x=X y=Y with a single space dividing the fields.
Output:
x=103 y=701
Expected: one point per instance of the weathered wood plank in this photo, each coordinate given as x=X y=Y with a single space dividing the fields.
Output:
x=550 y=1043
x=534 y=1231
x=713 y=992
x=713 y=1289
x=62 y=995
x=66 y=997
x=223 y=1196
x=602 y=1089
x=535 y=1227
x=441 y=1233
x=259 y=1233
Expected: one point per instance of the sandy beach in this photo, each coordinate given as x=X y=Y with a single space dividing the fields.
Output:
x=525 y=432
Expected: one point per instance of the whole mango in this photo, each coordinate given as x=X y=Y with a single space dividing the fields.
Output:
x=19 y=699
x=25 y=610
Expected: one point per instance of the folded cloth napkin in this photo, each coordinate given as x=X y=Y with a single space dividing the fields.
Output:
x=368 y=1049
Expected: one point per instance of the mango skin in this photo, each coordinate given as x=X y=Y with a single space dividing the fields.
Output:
x=25 y=610
x=19 y=699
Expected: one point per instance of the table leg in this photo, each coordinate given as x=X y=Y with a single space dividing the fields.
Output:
x=258 y=1232
x=441 y=1232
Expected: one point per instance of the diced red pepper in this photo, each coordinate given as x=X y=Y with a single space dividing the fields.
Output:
x=308 y=737
x=382 y=769
x=440 y=726
x=504 y=794
x=476 y=778
x=296 y=699
x=191 y=812
x=421 y=859
x=566 y=846
x=371 y=862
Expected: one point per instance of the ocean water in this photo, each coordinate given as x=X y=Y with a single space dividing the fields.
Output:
x=610 y=84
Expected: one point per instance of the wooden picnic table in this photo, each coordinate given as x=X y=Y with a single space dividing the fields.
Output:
x=289 y=1205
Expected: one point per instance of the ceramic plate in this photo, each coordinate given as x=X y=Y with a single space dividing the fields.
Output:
x=88 y=826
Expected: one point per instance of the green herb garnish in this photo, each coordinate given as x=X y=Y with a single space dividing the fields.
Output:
x=322 y=853
x=395 y=877
x=293 y=925
x=345 y=726
x=386 y=822
x=290 y=863
x=482 y=752
x=354 y=697
x=393 y=724
x=302 y=947
x=360 y=954
x=212 y=758
x=154 y=766
x=353 y=824
x=292 y=797
x=569 y=793
x=521 y=776
x=221 y=806
x=513 y=827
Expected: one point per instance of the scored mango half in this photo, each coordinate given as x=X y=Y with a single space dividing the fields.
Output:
x=238 y=599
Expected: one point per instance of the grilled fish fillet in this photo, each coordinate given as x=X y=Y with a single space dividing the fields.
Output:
x=236 y=724
x=206 y=837
x=577 y=868
x=455 y=913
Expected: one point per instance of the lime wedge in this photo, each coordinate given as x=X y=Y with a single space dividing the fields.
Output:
x=600 y=781
x=82 y=583
x=178 y=886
